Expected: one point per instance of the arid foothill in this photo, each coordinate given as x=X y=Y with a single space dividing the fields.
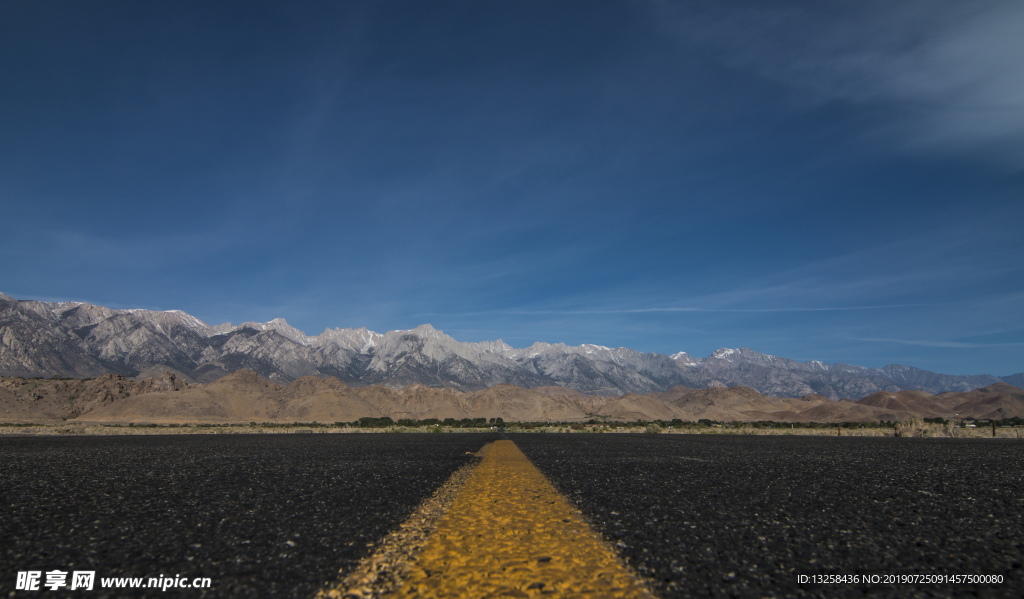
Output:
x=244 y=396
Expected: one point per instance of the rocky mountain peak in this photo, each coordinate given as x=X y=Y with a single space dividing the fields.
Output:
x=427 y=331
x=361 y=340
x=497 y=347
x=725 y=353
x=685 y=359
x=280 y=326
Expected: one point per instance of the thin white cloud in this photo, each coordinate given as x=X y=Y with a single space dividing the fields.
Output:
x=934 y=343
x=669 y=310
x=949 y=75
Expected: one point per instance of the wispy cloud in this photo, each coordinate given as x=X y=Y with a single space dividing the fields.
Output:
x=669 y=310
x=934 y=343
x=949 y=75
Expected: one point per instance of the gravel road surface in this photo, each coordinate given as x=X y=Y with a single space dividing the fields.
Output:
x=718 y=516
x=261 y=515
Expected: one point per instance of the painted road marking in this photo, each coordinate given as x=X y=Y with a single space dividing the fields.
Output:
x=382 y=572
x=509 y=533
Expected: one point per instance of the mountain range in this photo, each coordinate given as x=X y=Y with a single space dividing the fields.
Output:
x=81 y=340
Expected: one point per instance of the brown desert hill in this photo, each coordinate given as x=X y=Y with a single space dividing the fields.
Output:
x=1000 y=400
x=157 y=372
x=247 y=382
x=312 y=385
x=241 y=396
x=721 y=403
x=673 y=394
x=745 y=404
x=587 y=403
x=915 y=402
x=514 y=403
x=809 y=408
x=413 y=402
x=421 y=402
x=244 y=396
x=316 y=399
x=24 y=400
x=715 y=403
x=556 y=391
x=845 y=410
x=639 y=407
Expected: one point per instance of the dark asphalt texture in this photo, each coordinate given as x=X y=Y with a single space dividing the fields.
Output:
x=262 y=515
x=720 y=516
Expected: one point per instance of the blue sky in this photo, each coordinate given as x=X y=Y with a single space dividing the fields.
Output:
x=832 y=181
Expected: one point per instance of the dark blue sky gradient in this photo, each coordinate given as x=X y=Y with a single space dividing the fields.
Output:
x=837 y=182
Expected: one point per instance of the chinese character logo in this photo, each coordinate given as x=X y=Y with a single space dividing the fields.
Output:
x=28 y=581
x=82 y=580
x=56 y=579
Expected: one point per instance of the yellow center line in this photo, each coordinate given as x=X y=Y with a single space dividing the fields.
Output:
x=509 y=533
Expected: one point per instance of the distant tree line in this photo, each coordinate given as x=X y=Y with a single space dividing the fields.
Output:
x=385 y=422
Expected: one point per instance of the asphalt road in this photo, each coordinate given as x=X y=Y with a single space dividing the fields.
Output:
x=743 y=516
x=702 y=515
x=261 y=515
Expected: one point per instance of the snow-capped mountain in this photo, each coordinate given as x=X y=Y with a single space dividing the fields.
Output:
x=74 y=339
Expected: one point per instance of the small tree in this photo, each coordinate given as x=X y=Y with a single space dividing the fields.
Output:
x=909 y=428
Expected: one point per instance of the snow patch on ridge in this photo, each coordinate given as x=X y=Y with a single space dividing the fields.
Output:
x=723 y=352
x=684 y=358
